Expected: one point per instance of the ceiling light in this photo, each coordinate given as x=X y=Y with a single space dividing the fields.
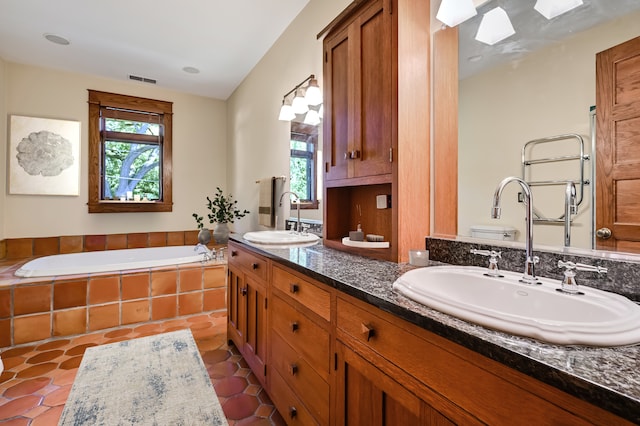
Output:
x=454 y=12
x=53 y=38
x=495 y=27
x=191 y=70
x=286 y=112
x=552 y=8
x=312 y=118
x=299 y=104
x=313 y=96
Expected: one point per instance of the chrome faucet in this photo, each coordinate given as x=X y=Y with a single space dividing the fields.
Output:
x=570 y=207
x=205 y=252
x=297 y=200
x=529 y=276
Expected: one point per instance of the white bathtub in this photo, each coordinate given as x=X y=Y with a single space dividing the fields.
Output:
x=108 y=260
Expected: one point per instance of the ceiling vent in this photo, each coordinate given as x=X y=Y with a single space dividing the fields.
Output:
x=142 y=79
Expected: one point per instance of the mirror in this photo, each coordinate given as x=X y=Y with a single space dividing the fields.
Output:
x=305 y=173
x=535 y=84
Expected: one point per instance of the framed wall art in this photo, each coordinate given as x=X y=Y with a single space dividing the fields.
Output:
x=44 y=156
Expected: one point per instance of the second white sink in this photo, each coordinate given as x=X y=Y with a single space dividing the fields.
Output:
x=279 y=237
x=597 y=318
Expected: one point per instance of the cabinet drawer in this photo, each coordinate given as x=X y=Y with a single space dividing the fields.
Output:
x=301 y=333
x=250 y=263
x=310 y=388
x=288 y=404
x=303 y=291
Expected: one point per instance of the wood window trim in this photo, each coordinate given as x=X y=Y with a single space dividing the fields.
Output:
x=99 y=99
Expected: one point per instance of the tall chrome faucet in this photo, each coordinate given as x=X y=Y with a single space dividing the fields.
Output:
x=297 y=200
x=529 y=276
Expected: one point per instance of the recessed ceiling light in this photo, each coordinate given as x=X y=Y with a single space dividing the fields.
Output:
x=53 y=38
x=191 y=70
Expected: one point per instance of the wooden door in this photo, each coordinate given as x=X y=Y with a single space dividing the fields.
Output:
x=337 y=75
x=236 y=307
x=373 y=118
x=367 y=396
x=255 y=348
x=618 y=146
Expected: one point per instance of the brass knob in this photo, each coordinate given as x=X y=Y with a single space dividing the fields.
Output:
x=293 y=369
x=254 y=266
x=293 y=412
x=604 y=233
x=243 y=291
x=294 y=326
x=234 y=253
x=293 y=287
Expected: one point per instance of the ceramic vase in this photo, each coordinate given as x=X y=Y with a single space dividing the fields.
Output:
x=221 y=233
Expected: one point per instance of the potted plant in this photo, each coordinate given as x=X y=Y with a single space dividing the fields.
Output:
x=223 y=210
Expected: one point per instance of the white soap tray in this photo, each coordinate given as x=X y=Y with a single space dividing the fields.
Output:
x=365 y=244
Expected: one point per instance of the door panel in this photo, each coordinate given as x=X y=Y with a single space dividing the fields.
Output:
x=618 y=146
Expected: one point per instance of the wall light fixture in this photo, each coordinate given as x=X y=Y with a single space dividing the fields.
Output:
x=305 y=94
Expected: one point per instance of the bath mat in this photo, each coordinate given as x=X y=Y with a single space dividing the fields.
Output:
x=154 y=380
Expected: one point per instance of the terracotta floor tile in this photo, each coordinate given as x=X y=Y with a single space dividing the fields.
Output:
x=6 y=376
x=211 y=343
x=54 y=344
x=20 y=421
x=223 y=369
x=49 y=417
x=36 y=370
x=19 y=406
x=147 y=328
x=58 y=397
x=253 y=390
x=230 y=386
x=66 y=378
x=200 y=325
x=79 y=350
x=264 y=410
x=253 y=421
x=9 y=363
x=198 y=318
x=242 y=372
x=118 y=333
x=95 y=338
x=17 y=351
x=240 y=406
x=45 y=356
x=47 y=390
x=71 y=363
x=36 y=411
x=26 y=387
x=214 y=357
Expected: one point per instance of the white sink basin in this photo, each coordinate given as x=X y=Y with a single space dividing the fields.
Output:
x=597 y=318
x=279 y=237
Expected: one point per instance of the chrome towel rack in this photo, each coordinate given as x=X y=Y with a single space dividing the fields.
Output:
x=528 y=161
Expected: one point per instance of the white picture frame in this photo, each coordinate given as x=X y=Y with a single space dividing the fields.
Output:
x=44 y=156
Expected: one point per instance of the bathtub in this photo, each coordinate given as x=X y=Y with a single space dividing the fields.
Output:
x=108 y=261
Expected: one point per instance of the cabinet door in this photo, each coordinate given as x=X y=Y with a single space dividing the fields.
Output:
x=255 y=347
x=336 y=123
x=367 y=396
x=374 y=104
x=236 y=307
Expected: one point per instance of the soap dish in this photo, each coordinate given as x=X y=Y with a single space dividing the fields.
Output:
x=375 y=238
x=365 y=244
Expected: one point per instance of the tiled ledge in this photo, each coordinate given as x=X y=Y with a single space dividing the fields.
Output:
x=20 y=248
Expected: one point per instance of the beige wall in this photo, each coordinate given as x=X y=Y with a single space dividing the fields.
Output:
x=3 y=144
x=258 y=142
x=199 y=154
x=547 y=93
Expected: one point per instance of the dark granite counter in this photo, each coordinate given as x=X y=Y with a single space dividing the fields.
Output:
x=606 y=377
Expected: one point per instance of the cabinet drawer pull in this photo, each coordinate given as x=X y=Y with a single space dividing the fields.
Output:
x=243 y=291
x=368 y=331
x=293 y=369
x=293 y=412
x=254 y=266
x=234 y=253
x=355 y=154
x=294 y=288
x=294 y=326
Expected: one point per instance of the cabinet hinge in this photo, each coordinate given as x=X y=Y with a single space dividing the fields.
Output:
x=391 y=155
x=335 y=361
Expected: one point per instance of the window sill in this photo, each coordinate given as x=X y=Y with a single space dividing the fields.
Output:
x=117 y=206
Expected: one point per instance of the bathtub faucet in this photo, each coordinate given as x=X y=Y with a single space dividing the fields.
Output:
x=206 y=253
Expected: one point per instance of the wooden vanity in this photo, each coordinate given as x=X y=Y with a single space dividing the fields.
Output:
x=326 y=357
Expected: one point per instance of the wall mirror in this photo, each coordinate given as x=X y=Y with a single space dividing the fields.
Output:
x=305 y=173
x=538 y=83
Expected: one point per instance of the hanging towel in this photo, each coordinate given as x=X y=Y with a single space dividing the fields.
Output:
x=266 y=210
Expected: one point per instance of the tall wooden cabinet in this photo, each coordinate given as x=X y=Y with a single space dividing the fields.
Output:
x=375 y=68
x=247 y=307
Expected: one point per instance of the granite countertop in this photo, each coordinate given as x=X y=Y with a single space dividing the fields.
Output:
x=606 y=377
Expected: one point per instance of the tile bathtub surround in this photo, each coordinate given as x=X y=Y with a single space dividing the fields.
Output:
x=23 y=248
x=31 y=310
x=621 y=277
x=38 y=377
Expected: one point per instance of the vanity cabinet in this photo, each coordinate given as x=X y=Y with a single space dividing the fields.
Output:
x=359 y=81
x=300 y=343
x=247 y=307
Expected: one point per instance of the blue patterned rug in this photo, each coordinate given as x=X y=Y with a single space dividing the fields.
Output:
x=155 y=380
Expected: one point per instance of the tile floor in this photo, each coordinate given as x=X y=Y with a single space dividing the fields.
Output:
x=37 y=378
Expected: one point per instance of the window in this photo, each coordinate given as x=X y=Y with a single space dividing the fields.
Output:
x=129 y=154
x=302 y=164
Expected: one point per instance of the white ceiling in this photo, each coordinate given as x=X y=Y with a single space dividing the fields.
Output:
x=149 y=38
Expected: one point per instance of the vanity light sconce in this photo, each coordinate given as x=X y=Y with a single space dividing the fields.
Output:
x=552 y=8
x=304 y=96
x=494 y=27
x=455 y=12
